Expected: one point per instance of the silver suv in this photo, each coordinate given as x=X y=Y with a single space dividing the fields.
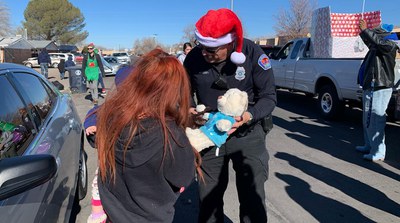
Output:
x=122 y=57
x=33 y=61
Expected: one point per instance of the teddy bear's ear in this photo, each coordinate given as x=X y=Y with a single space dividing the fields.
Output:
x=244 y=100
x=244 y=95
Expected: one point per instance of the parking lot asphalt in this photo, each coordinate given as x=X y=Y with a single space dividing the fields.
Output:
x=315 y=173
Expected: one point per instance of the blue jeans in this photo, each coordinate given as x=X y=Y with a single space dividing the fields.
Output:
x=101 y=82
x=44 y=68
x=374 y=134
x=62 y=75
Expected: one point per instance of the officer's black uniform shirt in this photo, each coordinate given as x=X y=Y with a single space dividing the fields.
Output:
x=258 y=81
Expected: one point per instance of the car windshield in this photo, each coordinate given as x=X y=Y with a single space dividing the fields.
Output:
x=111 y=60
x=119 y=54
x=105 y=63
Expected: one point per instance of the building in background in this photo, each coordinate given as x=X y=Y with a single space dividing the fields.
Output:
x=14 y=49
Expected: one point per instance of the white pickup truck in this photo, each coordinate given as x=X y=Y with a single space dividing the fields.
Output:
x=334 y=80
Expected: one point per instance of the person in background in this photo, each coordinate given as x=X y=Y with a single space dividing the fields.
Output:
x=145 y=159
x=61 y=68
x=376 y=76
x=224 y=60
x=187 y=47
x=44 y=61
x=90 y=66
x=101 y=81
x=70 y=62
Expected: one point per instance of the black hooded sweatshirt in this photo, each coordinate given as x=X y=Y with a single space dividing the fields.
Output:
x=145 y=189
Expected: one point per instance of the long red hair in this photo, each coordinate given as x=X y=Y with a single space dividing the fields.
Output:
x=158 y=87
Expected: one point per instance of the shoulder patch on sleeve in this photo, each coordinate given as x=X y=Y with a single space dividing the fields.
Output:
x=264 y=62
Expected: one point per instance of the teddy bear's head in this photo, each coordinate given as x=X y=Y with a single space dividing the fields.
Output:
x=234 y=102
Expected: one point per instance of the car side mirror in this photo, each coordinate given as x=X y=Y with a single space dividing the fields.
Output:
x=22 y=173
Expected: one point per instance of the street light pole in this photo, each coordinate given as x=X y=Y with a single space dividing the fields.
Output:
x=232 y=5
x=155 y=38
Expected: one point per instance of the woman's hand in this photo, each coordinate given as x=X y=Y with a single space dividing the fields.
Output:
x=91 y=130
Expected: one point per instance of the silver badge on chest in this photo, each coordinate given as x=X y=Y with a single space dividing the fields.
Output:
x=240 y=73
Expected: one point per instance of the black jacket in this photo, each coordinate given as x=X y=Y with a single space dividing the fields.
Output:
x=379 y=62
x=44 y=57
x=146 y=190
x=61 y=66
x=259 y=83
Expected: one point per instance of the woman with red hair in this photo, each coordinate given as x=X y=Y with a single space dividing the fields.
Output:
x=145 y=158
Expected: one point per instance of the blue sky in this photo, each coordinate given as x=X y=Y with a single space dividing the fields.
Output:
x=117 y=24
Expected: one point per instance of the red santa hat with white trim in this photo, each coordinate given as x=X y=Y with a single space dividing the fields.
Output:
x=220 y=27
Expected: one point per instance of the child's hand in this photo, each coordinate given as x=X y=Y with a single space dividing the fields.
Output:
x=91 y=130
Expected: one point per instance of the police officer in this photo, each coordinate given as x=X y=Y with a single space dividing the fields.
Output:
x=223 y=59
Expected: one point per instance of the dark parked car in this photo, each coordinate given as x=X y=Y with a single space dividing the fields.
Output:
x=42 y=160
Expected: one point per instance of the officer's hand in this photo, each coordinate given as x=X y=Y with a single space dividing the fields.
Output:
x=240 y=120
x=363 y=24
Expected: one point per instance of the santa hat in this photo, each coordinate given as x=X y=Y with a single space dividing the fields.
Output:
x=220 y=27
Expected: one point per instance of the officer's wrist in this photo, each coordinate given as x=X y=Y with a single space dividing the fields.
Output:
x=249 y=121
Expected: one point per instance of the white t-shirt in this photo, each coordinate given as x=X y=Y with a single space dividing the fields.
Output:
x=182 y=57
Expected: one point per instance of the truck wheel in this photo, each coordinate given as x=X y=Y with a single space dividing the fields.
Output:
x=328 y=102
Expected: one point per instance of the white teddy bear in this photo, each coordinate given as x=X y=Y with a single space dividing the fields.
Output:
x=215 y=131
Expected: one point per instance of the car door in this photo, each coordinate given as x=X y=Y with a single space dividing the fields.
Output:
x=16 y=119
x=280 y=64
x=291 y=62
x=57 y=133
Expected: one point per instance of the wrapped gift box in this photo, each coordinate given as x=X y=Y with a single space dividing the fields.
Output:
x=336 y=35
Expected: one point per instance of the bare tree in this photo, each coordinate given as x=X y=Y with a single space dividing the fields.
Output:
x=188 y=33
x=145 y=45
x=296 y=22
x=5 y=28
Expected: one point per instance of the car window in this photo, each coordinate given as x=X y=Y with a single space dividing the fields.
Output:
x=284 y=52
x=111 y=60
x=120 y=54
x=296 y=49
x=40 y=95
x=105 y=63
x=16 y=127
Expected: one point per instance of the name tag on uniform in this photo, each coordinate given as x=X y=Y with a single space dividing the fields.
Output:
x=264 y=62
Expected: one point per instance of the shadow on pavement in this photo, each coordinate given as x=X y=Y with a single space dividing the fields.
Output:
x=349 y=186
x=341 y=136
x=322 y=208
x=187 y=206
